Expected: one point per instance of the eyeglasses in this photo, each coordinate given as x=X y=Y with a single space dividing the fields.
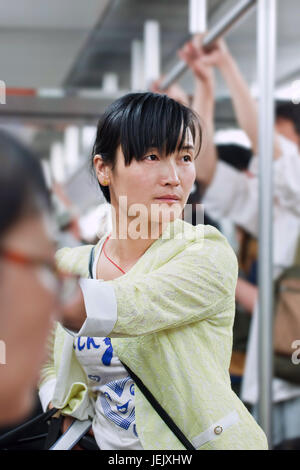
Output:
x=62 y=284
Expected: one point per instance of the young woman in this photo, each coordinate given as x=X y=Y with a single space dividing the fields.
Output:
x=28 y=282
x=161 y=299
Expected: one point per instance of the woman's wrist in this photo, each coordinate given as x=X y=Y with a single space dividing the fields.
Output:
x=226 y=63
x=206 y=87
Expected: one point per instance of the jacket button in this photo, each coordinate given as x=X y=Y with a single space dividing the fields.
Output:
x=218 y=429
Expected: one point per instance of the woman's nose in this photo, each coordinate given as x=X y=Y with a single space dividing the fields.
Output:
x=170 y=174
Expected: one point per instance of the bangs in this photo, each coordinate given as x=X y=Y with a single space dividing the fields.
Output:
x=156 y=121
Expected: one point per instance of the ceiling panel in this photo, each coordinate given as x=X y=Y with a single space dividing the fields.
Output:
x=39 y=40
x=54 y=14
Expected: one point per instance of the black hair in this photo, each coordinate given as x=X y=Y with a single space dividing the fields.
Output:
x=289 y=111
x=235 y=155
x=140 y=121
x=22 y=186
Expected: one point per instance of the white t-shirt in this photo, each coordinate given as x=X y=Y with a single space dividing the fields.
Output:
x=114 y=421
x=235 y=195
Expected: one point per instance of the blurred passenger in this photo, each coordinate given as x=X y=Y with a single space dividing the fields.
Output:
x=68 y=233
x=235 y=195
x=287 y=122
x=28 y=282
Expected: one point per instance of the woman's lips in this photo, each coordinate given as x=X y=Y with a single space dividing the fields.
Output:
x=168 y=200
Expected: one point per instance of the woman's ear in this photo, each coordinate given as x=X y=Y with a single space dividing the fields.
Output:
x=101 y=170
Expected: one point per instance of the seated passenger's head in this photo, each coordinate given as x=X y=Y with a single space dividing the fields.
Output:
x=144 y=150
x=27 y=290
x=287 y=121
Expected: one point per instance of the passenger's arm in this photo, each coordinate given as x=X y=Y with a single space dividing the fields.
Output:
x=245 y=106
x=203 y=104
x=246 y=294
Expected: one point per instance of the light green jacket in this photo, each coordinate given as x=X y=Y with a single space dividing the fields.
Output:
x=175 y=311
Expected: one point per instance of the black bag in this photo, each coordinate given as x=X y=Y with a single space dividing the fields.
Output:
x=29 y=435
x=39 y=432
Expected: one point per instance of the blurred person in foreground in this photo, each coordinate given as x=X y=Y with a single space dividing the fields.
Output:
x=28 y=282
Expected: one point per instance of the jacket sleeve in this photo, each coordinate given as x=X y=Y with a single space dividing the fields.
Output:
x=48 y=374
x=196 y=284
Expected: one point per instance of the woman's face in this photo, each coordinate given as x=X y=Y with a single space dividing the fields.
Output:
x=156 y=188
x=28 y=307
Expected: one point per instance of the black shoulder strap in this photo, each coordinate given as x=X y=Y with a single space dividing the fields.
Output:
x=54 y=431
x=91 y=262
x=159 y=409
x=14 y=434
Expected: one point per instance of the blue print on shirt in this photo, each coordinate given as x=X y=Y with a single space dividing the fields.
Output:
x=115 y=417
x=107 y=356
x=90 y=341
x=108 y=353
x=123 y=408
x=118 y=386
x=79 y=345
x=95 y=378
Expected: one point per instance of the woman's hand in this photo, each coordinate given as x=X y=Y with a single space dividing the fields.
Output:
x=67 y=421
x=218 y=55
x=174 y=91
x=194 y=56
x=73 y=314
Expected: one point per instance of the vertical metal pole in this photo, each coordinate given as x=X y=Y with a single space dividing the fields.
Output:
x=266 y=46
x=151 y=51
x=71 y=149
x=2 y=92
x=57 y=163
x=110 y=82
x=197 y=16
x=137 y=65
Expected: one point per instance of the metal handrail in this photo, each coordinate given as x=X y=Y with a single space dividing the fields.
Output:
x=211 y=36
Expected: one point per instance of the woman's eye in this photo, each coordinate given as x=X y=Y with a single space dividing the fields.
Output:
x=151 y=157
x=187 y=158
